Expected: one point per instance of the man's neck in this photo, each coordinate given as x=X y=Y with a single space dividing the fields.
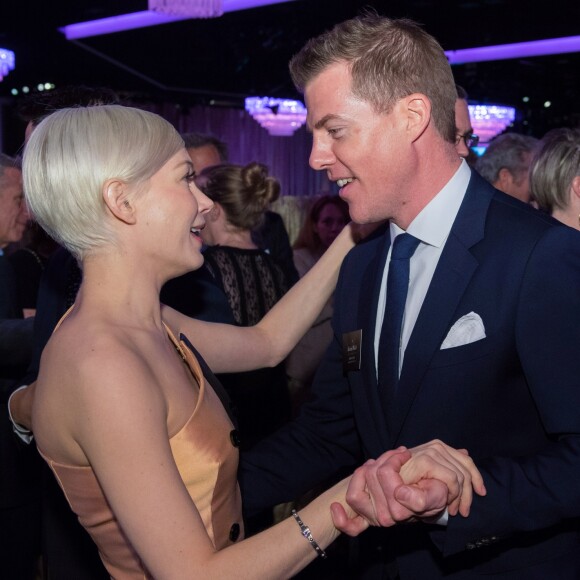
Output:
x=433 y=172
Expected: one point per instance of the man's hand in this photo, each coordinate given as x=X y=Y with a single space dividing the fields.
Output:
x=21 y=406
x=454 y=467
x=420 y=483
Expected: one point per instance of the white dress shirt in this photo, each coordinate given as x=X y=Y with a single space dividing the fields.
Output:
x=432 y=227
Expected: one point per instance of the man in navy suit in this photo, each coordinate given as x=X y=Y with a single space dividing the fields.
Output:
x=486 y=356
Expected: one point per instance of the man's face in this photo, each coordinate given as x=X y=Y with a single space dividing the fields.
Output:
x=462 y=127
x=367 y=153
x=516 y=184
x=203 y=157
x=13 y=211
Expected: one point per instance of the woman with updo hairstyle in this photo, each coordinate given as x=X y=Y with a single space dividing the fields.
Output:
x=555 y=176
x=244 y=193
x=252 y=281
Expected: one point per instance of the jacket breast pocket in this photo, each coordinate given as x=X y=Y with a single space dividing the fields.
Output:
x=464 y=353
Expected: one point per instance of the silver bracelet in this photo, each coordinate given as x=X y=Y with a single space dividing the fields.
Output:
x=305 y=531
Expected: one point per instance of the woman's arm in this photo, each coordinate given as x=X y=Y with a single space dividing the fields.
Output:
x=117 y=414
x=235 y=349
x=118 y=417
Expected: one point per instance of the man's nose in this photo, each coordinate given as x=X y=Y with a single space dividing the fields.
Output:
x=321 y=156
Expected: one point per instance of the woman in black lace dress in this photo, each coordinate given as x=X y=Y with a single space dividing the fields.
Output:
x=252 y=281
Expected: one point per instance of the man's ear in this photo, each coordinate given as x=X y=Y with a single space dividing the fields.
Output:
x=115 y=196
x=504 y=179
x=418 y=110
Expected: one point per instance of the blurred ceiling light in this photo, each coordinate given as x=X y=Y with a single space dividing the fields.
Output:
x=7 y=62
x=161 y=12
x=516 y=50
x=188 y=8
x=490 y=120
x=280 y=117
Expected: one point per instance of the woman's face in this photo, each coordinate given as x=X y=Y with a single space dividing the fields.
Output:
x=329 y=224
x=174 y=212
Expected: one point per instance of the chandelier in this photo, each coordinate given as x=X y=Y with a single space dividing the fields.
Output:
x=490 y=120
x=280 y=117
x=188 y=8
x=7 y=62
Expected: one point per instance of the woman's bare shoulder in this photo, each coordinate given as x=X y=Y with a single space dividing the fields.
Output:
x=92 y=375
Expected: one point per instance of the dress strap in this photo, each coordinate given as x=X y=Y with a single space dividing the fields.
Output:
x=187 y=355
x=63 y=318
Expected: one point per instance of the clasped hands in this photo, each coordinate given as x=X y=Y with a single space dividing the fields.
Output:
x=403 y=484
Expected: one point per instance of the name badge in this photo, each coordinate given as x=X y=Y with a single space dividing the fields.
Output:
x=351 y=350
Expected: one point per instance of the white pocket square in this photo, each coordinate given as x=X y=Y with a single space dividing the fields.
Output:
x=466 y=330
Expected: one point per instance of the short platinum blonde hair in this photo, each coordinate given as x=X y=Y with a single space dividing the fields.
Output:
x=73 y=152
x=554 y=168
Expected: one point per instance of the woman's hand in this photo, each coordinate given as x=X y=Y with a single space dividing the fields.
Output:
x=407 y=485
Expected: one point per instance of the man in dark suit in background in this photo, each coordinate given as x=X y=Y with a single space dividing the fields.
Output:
x=19 y=466
x=485 y=355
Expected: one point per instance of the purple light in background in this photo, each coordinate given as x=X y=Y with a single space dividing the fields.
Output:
x=7 y=62
x=490 y=120
x=517 y=50
x=280 y=117
x=188 y=8
x=116 y=24
x=147 y=18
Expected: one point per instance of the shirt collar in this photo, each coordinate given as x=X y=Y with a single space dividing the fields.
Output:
x=433 y=223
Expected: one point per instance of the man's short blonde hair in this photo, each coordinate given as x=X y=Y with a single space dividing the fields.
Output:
x=388 y=59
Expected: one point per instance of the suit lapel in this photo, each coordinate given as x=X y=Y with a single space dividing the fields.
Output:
x=450 y=280
x=370 y=284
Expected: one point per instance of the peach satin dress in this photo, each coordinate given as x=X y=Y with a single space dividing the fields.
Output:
x=207 y=461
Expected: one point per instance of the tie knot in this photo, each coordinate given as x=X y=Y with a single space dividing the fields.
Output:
x=404 y=247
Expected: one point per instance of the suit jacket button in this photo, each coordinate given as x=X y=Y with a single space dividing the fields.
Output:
x=234 y=532
x=235 y=438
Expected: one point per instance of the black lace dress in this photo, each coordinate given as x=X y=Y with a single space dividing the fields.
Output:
x=253 y=283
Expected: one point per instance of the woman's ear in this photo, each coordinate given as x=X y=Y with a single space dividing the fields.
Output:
x=215 y=212
x=115 y=196
x=575 y=188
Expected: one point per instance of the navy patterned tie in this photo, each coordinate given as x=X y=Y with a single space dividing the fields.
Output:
x=404 y=247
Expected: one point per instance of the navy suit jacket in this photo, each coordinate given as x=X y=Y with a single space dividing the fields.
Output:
x=512 y=399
